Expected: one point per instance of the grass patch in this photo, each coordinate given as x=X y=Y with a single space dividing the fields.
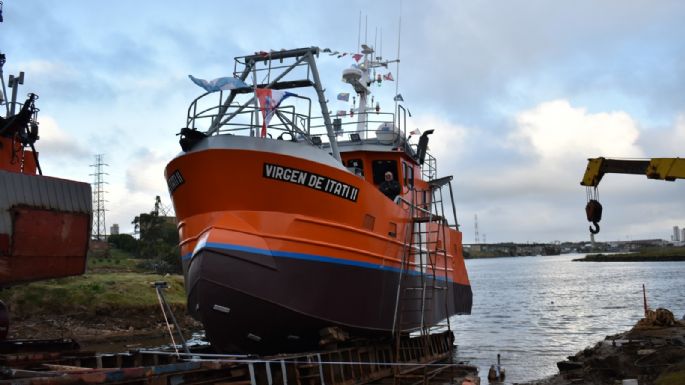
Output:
x=90 y=294
x=672 y=378
x=114 y=260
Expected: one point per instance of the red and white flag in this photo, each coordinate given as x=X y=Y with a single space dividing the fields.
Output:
x=268 y=102
x=388 y=76
x=357 y=57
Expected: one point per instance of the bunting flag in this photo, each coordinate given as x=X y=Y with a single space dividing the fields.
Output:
x=269 y=100
x=344 y=96
x=341 y=113
x=218 y=84
x=341 y=54
x=398 y=98
x=388 y=77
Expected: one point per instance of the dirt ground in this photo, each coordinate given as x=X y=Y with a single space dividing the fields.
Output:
x=135 y=329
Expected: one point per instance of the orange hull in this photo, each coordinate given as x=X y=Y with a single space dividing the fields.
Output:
x=271 y=216
x=282 y=216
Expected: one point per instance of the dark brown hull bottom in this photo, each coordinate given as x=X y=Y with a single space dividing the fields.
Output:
x=252 y=301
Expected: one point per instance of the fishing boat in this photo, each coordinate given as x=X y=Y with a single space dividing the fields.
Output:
x=284 y=229
x=45 y=222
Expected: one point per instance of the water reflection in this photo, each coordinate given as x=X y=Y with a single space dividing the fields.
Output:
x=535 y=311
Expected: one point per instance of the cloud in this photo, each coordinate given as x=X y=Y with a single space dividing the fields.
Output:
x=556 y=131
x=448 y=135
x=530 y=189
x=56 y=79
x=58 y=143
x=546 y=152
x=480 y=56
x=145 y=172
x=673 y=141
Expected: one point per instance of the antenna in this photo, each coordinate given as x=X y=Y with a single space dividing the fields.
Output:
x=375 y=44
x=397 y=65
x=359 y=33
x=381 y=51
x=99 y=231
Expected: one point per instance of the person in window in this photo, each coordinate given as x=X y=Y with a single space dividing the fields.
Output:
x=390 y=187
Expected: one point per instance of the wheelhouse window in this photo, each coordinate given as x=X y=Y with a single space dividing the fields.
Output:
x=380 y=167
x=408 y=173
x=356 y=165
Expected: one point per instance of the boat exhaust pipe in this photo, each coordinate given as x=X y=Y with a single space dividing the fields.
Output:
x=423 y=146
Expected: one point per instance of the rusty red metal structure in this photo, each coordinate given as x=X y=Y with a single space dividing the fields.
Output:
x=45 y=222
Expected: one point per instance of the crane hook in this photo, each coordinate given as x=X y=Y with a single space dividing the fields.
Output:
x=596 y=229
x=593 y=210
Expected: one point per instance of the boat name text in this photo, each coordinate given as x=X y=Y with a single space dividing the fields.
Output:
x=174 y=181
x=311 y=180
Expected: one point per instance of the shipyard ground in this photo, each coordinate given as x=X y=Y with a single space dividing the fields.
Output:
x=100 y=333
x=417 y=360
x=652 y=352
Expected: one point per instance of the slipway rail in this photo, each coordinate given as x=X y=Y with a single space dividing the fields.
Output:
x=61 y=362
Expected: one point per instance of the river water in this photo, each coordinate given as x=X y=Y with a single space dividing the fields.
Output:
x=535 y=311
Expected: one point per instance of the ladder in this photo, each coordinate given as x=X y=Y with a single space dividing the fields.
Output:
x=421 y=276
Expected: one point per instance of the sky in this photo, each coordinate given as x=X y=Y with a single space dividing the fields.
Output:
x=520 y=94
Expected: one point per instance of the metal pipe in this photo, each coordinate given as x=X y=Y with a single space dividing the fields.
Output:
x=324 y=108
x=14 y=85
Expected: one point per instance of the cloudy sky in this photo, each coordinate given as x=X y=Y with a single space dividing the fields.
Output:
x=520 y=93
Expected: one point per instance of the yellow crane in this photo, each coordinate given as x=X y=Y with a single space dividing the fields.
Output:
x=668 y=169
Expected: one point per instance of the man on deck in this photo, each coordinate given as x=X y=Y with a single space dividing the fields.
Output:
x=390 y=187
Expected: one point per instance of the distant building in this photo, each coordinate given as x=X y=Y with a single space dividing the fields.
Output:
x=682 y=234
x=114 y=229
x=676 y=234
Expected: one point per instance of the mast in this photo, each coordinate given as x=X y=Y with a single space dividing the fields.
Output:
x=359 y=77
x=362 y=119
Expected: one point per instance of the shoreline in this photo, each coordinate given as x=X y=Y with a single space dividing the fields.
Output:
x=652 y=353
x=630 y=258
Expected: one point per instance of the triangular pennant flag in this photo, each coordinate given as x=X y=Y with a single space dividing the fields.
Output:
x=269 y=100
x=388 y=77
x=357 y=57
x=398 y=98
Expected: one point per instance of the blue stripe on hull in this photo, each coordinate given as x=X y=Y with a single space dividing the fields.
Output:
x=302 y=256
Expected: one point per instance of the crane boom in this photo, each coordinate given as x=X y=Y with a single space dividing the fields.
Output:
x=668 y=169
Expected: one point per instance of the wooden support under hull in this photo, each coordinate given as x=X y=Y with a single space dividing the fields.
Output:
x=358 y=364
